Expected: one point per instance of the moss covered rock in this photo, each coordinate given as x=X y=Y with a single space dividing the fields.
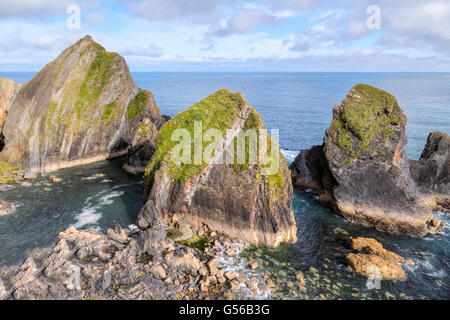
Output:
x=361 y=170
x=81 y=107
x=236 y=198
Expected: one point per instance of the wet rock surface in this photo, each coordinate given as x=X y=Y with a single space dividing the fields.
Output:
x=119 y=265
x=361 y=170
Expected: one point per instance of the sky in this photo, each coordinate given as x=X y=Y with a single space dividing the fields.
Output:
x=234 y=35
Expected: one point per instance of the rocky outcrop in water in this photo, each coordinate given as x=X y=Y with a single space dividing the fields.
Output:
x=361 y=170
x=370 y=259
x=432 y=171
x=80 y=108
x=234 y=199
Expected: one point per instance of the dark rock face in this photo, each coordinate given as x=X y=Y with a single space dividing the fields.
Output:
x=237 y=201
x=361 y=170
x=80 y=108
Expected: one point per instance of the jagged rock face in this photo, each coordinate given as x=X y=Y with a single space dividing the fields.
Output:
x=432 y=171
x=236 y=200
x=7 y=90
x=363 y=152
x=81 y=107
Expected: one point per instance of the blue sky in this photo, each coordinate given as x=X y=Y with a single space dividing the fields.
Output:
x=234 y=35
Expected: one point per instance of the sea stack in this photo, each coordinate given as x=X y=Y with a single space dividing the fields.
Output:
x=80 y=108
x=8 y=89
x=237 y=200
x=361 y=170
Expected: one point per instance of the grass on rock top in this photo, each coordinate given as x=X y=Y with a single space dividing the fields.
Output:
x=218 y=111
x=367 y=113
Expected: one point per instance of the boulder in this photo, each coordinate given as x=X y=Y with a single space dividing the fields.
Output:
x=370 y=259
x=6 y=208
x=239 y=200
x=8 y=89
x=80 y=108
x=361 y=170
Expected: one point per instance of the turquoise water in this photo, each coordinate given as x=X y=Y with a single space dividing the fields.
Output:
x=299 y=104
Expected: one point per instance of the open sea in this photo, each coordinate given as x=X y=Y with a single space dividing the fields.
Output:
x=300 y=106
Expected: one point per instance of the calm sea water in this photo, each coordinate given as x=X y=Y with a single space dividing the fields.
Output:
x=300 y=106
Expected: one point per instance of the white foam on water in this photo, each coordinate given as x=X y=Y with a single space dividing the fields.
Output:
x=290 y=155
x=90 y=214
x=95 y=176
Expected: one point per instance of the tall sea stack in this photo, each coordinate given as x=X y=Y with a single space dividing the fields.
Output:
x=233 y=199
x=361 y=170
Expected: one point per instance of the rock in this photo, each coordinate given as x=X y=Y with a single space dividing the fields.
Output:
x=230 y=252
x=30 y=175
x=361 y=170
x=213 y=263
x=234 y=285
x=372 y=260
x=55 y=179
x=300 y=278
x=89 y=264
x=230 y=275
x=6 y=208
x=82 y=107
x=239 y=200
x=432 y=172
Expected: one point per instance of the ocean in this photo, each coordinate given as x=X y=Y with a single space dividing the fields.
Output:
x=300 y=106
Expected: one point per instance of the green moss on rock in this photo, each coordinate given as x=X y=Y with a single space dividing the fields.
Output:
x=366 y=113
x=138 y=104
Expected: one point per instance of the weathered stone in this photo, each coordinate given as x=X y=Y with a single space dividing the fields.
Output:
x=230 y=275
x=372 y=260
x=6 y=208
x=361 y=170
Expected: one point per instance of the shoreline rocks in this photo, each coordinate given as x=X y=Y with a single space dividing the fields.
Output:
x=236 y=200
x=372 y=260
x=361 y=170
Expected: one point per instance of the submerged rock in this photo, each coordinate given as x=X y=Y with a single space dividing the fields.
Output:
x=234 y=199
x=361 y=170
x=80 y=108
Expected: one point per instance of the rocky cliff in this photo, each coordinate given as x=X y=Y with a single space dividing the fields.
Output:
x=81 y=107
x=233 y=199
x=8 y=89
x=361 y=170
